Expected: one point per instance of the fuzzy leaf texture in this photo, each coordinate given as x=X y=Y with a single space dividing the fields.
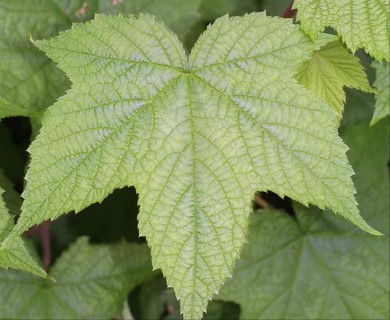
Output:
x=382 y=84
x=360 y=23
x=196 y=136
x=92 y=282
x=25 y=72
x=13 y=253
x=329 y=70
x=321 y=267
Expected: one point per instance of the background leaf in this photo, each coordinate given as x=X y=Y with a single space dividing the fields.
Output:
x=179 y=15
x=382 y=83
x=275 y=8
x=318 y=267
x=25 y=73
x=92 y=281
x=29 y=81
x=13 y=252
x=11 y=198
x=158 y=302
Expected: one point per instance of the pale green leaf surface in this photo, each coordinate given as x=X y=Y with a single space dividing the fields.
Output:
x=92 y=282
x=14 y=254
x=329 y=70
x=196 y=138
x=382 y=83
x=360 y=23
x=317 y=267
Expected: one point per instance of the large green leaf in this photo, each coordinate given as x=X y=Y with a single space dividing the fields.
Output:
x=29 y=81
x=196 y=136
x=360 y=23
x=330 y=69
x=92 y=282
x=13 y=253
x=382 y=83
x=317 y=267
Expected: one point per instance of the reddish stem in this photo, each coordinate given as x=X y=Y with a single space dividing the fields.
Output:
x=44 y=232
x=290 y=12
x=46 y=244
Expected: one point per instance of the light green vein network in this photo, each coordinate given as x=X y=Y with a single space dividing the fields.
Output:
x=196 y=137
x=360 y=23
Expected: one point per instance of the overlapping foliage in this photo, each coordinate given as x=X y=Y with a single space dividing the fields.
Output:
x=255 y=106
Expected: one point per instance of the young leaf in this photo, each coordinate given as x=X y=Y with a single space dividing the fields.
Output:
x=382 y=83
x=316 y=267
x=14 y=254
x=330 y=69
x=197 y=137
x=92 y=282
x=360 y=23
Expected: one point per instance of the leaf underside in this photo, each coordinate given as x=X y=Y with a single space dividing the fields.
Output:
x=196 y=136
x=360 y=23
